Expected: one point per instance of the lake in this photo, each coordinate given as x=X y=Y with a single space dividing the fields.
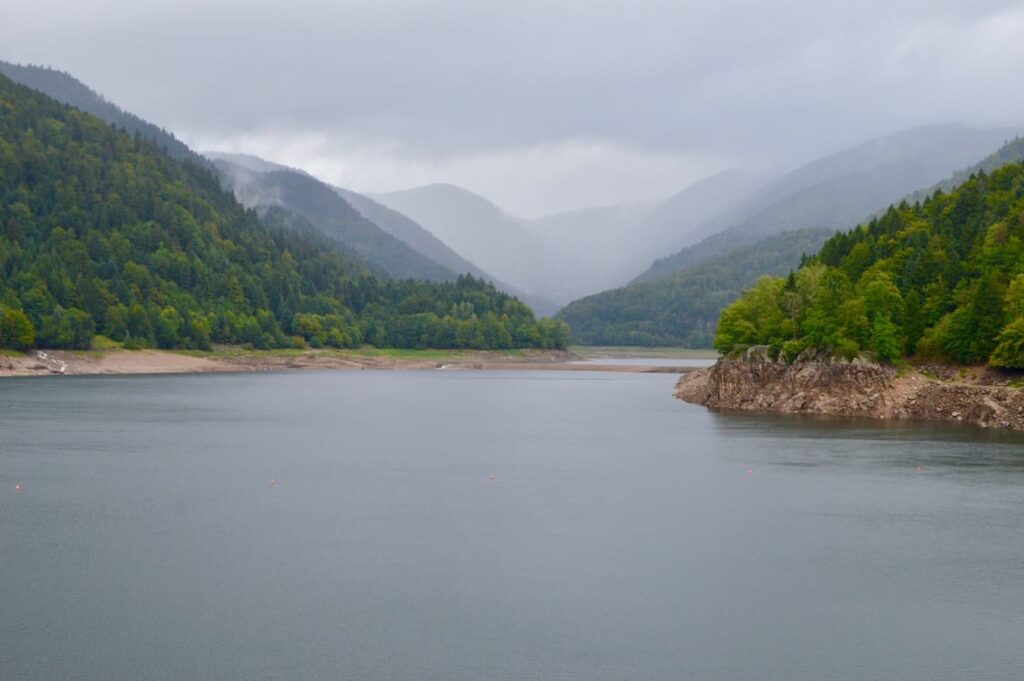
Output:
x=493 y=525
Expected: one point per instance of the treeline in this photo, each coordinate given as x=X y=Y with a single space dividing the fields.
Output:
x=942 y=279
x=101 y=232
x=683 y=309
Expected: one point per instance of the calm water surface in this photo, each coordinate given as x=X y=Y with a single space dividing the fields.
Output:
x=622 y=536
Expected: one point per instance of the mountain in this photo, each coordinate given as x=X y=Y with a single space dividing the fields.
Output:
x=65 y=88
x=1011 y=152
x=940 y=279
x=336 y=219
x=250 y=162
x=346 y=229
x=570 y=254
x=481 y=232
x=391 y=221
x=102 y=231
x=690 y=214
x=410 y=232
x=682 y=310
x=385 y=240
x=839 y=190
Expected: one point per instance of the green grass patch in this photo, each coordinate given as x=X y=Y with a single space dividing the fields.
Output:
x=643 y=351
x=366 y=351
x=103 y=343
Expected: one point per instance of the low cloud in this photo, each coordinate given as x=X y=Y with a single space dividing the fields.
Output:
x=523 y=100
x=528 y=182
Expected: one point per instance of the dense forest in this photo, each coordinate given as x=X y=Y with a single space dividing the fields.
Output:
x=841 y=190
x=103 y=232
x=339 y=223
x=942 y=279
x=67 y=89
x=683 y=309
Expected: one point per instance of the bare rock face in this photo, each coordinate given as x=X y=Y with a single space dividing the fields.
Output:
x=856 y=388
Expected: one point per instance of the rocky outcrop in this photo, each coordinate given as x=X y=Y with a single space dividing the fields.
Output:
x=856 y=388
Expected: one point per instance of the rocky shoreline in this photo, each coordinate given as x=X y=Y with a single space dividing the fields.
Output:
x=973 y=396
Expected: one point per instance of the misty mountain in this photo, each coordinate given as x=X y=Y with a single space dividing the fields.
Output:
x=409 y=231
x=1011 y=152
x=598 y=240
x=468 y=223
x=561 y=257
x=574 y=253
x=683 y=309
x=336 y=219
x=839 y=190
x=395 y=224
x=401 y=227
x=251 y=163
x=69 y=90
x=488 y=236
x=688 y=216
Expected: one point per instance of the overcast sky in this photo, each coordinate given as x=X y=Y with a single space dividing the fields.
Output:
x=539 y=105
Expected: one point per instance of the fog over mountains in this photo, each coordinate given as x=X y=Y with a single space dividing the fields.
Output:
x=841 y=189
x=693 y=237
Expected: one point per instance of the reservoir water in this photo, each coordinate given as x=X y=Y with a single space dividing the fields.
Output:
x=493 y=525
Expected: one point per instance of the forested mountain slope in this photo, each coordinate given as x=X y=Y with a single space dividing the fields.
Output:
x=839 y=190
x=67 y=89
x=683 y=309
x=360 y=240
x=102 y=231
x=943 y=280
x=333 y=217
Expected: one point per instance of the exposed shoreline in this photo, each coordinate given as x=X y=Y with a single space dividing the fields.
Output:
x=968 y=395
x=142 y=362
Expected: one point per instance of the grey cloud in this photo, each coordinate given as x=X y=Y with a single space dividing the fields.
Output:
x=756 y=82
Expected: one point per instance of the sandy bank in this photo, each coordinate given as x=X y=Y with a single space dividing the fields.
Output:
x=99 y=362
x=974 y=396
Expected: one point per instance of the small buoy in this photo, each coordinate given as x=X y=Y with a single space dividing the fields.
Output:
x=491 y=477
x=273 y=481
x=919 y=469
x=750 y=471
x=17 y=488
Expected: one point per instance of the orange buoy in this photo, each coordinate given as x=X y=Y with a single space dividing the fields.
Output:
x=17 y=488
x=750 y=471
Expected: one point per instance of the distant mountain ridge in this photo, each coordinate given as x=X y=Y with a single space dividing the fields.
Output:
x=485 y=234
x=839 y=190
x=326 y=210
x=682 y=307
x=243 y=166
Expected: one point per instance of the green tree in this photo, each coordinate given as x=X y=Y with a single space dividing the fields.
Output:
x=1009 y=351
x=168 y=327
x=16 y=330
